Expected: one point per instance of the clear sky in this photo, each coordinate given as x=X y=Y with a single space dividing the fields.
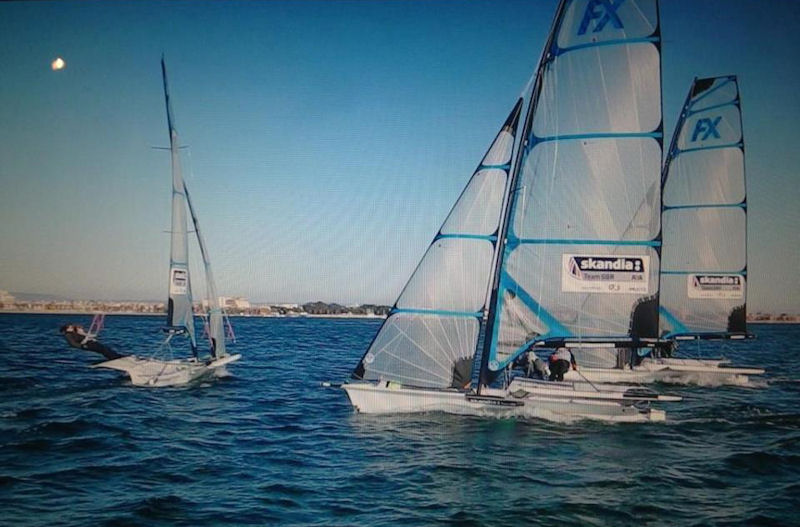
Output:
x=328 y=140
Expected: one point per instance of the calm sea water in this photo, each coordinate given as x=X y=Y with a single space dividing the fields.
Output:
x=267 y=446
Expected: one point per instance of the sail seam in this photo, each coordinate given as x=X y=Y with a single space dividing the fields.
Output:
x=742 y=205
x=438 y=312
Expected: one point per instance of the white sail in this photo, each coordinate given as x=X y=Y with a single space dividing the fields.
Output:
x=216 y=322
x=581 y=259
x=703 y=277
x=180 y=317
x=431 y=335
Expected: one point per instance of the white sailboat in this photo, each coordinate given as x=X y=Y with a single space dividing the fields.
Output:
x=704 y=253
x=584 y=186
x=162 y=369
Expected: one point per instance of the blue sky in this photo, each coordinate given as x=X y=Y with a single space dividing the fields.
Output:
x=328 y=140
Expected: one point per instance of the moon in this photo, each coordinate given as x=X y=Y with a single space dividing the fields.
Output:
x=58 y=64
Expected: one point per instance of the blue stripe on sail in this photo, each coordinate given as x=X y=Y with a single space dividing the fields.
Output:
x=555 y=327
x=709 y=92
x=555 y=241
x=505 y=166
x=561 y=51
x=716 y=106
x=438 y=312
x=717 y=147
x=597 y=135
x=488 y=237
x=743 y=272
x=677 y=325
x=707 y=206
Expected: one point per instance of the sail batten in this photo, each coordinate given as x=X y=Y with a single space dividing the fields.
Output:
x=431 y=334
x=582 y=237
x=704 y=210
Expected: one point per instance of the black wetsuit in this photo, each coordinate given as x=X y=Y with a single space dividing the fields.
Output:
x=76 y=340
x=558 y=366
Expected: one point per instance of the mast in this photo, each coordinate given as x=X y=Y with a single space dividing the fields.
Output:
x=180 y=317
x=485 y=377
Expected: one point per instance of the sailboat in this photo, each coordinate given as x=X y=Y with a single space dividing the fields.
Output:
x=162 y=369
x=704 y=222
x=509 y=260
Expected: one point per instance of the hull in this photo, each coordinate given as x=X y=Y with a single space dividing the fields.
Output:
x=161 y=373
x=391 y=398
x=587 y=390
x=669 y=370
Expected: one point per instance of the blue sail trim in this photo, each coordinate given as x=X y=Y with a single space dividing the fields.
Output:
x=560 y=51
x=555 y=328
x=499 y=167
x=438 y=312
x=676 y=324
x=709 y=92
x=513 y=241
x=742 y=205
x=488 y=237
x=715 y=107
x=717 y=147
x=534 y=140
x=742 y=272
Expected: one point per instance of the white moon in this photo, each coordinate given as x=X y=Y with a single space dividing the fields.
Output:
x=58 y=64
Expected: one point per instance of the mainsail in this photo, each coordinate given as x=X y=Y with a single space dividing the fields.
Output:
x=431 y=335
x=216 y=322
x=703 y=276
x=180 y=317
x=580 y=262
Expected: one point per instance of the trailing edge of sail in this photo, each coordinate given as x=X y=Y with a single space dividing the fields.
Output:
x=179 y=307
x=431 y=334
x=704 y=215
x=582 y=235
x=216 y=323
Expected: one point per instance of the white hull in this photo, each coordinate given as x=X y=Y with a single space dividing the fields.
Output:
x=160 y=373
x=669 y=370
x=390 y=398
x=587 y=390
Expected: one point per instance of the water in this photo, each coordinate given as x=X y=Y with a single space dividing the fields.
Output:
x=267 y=446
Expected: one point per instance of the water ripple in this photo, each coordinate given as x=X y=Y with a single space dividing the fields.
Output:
x=267 y=446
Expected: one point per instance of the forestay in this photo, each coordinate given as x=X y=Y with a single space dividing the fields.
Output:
x=581 y=258
x=431 y=335
x=180 y=317
x=703 y=282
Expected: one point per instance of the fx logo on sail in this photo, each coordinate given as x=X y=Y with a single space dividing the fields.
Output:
x=607 y=13
x=707 y=127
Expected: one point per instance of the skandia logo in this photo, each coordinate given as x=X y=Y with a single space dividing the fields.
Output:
x=718 y=280
x=609 y=263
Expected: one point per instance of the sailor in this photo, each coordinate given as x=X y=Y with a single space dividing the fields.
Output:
x=560 y=362
x=77 y=337
x=533 y=366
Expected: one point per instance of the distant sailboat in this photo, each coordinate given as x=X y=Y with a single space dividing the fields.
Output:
x=161 y=369
x=584 y=190
x=704 y=230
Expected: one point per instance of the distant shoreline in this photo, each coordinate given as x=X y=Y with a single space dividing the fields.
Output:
x=139 y=314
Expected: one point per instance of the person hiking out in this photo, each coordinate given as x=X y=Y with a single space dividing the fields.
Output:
x=560 y=361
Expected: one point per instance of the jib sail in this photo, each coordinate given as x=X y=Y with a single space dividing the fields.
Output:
x=431 y=334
